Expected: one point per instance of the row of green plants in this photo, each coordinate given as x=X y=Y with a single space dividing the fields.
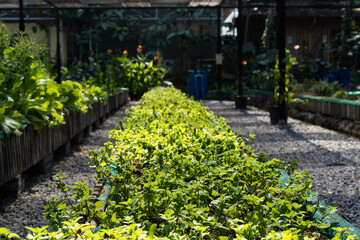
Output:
x=118 y=69
x=30 y=95
x=177 y=171
x=299 y=79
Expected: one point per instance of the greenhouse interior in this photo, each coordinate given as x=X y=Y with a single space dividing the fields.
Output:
x=180 y=119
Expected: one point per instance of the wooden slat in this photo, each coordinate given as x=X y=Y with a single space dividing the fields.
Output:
x=103 y=110
x=26 y=143
x=75 y=124
x=2 y=168
x=95 y=112
x=9 y=167
x=19 y=153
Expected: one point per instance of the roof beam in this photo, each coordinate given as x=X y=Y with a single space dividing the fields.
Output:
x=66 y=3
x=137 y=3
x=205 y=3
x=9 y=4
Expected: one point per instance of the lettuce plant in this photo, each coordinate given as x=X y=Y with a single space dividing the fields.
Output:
x=29 y=94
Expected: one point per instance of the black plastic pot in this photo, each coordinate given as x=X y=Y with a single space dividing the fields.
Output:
x=278 y=115
x=241 y=102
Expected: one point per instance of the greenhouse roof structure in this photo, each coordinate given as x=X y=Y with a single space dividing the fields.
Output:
x=13 y=4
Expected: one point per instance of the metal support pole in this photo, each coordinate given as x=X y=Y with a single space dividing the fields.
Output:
x=281 y=38
x=218 y=49
x=21 y=16
x=240 y=41
x=58 y=48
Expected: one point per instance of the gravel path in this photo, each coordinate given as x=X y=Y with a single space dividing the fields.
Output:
x=333 y=159
x=27 y=209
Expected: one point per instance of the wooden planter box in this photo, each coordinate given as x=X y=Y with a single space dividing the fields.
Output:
x=95 y=114
x=41 y=145
x=89 y=117
x=14 y=159
x=103 y=111
x=61 y=135
x=118 y=100
x=125 y=97
x=344 y=109
x=20 y=153
x=110 y=104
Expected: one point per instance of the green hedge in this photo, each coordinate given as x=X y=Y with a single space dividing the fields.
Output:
x=29 y=94
x=177 y=171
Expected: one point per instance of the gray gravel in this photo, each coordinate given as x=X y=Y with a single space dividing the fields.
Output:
x=332 y=158
x=27 y=209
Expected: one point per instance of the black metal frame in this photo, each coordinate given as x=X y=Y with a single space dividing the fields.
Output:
x=280 y=6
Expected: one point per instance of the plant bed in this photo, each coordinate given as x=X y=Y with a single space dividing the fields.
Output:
x=176 y=171
x=327 y=112
x=337 y=108
x=332 y=107
x=20 y=153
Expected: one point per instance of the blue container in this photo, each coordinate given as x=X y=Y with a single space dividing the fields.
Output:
x=343 y=76
x=197 y=84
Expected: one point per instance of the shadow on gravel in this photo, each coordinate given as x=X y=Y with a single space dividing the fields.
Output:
x=281 y=136
x=303 y=138
x=95 y=143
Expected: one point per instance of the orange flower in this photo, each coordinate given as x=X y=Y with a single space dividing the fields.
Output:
x=158 y=57
x=125 y=52
x=139 y=49
x=109 y=51
x=156 y=69
x=244 y=62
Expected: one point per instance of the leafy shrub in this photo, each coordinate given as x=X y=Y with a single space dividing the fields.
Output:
x=29 y=94
x=177 y=171
x=136 y=73
x=94 y=93
x=324 y=88
x=340 y=94
x=72 y=96
x=304 y=86
x=140 y=75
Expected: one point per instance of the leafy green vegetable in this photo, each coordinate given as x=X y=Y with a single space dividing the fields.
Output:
x=182 y=173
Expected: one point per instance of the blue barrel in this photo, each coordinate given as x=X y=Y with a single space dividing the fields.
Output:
x=197 y=84
x=343 y=76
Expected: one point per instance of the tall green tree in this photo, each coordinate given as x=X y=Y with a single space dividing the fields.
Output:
x=268 y=39
x=348 y=39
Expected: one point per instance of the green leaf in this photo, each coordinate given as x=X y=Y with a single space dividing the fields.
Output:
x=4 y=231
x=152 y=230
x=98 y=205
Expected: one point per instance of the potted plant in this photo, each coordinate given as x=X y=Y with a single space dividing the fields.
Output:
x=279 y=112
x=283 y=97
x=241 y=97
x=241 y=100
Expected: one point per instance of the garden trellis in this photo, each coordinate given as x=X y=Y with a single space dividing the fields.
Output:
x=280 y=5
